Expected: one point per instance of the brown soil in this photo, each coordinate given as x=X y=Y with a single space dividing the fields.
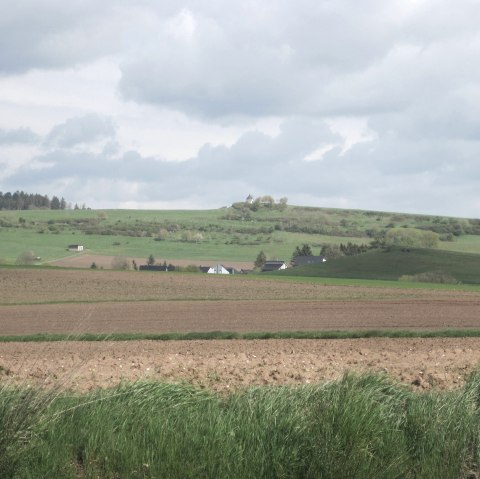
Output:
x=71 y=302
x=85 y=260
x=238 y=316
x=227 y=365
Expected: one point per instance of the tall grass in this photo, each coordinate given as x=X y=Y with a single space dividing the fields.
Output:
x=358 y=427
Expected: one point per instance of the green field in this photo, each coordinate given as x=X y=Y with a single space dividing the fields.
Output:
x=225 y=234
x=393 y=263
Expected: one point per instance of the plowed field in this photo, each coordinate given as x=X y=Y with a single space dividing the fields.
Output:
x=71 y=302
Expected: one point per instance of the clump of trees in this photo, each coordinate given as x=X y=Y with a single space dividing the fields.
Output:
x=332 y=251
x=411 y=238
x=19 y=200
x=260 y=202
x=304 y=250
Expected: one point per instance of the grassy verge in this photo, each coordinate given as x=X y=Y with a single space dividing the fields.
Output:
x=227 y=335
x=358 y=427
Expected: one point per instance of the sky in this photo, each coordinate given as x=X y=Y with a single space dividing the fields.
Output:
x=197 y=104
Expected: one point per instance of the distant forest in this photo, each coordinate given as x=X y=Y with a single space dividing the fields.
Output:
x=29 y=201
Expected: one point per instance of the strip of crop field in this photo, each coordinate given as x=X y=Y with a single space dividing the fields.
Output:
x=230 y=335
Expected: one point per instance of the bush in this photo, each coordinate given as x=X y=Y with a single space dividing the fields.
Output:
x=430 y=277
x=27 y=257
x=120 y=262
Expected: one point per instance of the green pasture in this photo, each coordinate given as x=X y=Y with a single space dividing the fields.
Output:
x=393 y=263
x=224 y=234
x=361 y=426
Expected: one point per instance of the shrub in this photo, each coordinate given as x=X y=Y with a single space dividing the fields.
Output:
x=430 y=277
x=27 y=257
x=120 y=262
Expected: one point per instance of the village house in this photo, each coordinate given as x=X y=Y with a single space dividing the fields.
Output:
x=75 y=247
x=218 y=269
x=274 y=266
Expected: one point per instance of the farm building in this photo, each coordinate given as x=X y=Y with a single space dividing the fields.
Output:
x=156 y=267
x=303 y=260
x=274 y=265
x=218 y=269
x=75 y=247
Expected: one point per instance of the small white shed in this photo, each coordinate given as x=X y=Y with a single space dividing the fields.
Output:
x=75 y=247
x=218 y=269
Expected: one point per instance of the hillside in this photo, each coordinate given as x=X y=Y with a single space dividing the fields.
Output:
x=235 y=233
x=394 y=263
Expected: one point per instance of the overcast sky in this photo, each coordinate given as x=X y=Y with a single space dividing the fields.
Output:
x=371 y=104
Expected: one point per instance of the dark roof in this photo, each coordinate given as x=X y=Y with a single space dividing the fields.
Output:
x=155 y=267
x=272 y=265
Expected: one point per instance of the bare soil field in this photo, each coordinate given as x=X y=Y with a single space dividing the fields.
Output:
x=27 y=286
x=236 y=316
x=226 y=365
x=79 y=301
x=85 y=260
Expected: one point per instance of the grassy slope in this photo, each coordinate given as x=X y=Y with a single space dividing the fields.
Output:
x=390 y=265
x=228 y=234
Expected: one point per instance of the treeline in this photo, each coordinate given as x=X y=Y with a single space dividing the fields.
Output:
x=29 y=201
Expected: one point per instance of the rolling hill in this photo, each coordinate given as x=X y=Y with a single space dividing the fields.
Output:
x=393 y=263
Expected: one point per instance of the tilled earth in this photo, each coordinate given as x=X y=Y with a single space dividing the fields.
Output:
x=231 y=364
x=82 y=301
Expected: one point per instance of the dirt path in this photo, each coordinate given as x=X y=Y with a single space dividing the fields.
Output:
x=226 y=365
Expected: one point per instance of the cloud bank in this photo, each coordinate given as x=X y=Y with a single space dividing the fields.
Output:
x=362 y=105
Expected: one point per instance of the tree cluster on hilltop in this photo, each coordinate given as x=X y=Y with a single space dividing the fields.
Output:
x=29 y=201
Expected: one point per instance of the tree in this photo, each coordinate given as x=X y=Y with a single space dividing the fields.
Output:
x=163 y=234
x=55 y=203
x=305 y=250
x=331 y=251
x=261 y=260
x=151 y=260
x=27 y=257
x=282 y=203
x=120 y=262
x=411 y=238
x=267 y=201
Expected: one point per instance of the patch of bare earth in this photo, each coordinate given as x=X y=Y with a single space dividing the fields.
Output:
x=85 y=260
x=231 y=364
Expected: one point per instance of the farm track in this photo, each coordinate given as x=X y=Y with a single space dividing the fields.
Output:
x=109 y=302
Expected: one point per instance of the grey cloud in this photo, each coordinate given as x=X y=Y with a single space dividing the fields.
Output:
x=85 y=129
x=318 y=58
x=383 y=174
x=18 y=136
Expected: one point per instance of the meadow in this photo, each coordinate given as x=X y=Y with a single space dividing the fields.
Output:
x=227 y=234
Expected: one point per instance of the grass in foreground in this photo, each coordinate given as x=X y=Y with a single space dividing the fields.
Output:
x=358 y=427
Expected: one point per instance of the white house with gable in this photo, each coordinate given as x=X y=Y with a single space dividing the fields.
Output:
x=218 y=269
